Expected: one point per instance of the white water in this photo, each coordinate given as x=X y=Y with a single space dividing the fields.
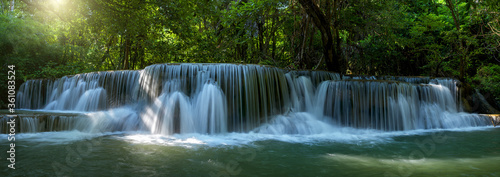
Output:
x=217 y=99
x=337 y=134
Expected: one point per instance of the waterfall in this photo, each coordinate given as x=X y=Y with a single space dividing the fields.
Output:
x=219 y=98
x=387 y=105
x=114 y=89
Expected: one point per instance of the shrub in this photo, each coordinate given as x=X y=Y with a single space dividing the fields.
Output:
x=487 y=80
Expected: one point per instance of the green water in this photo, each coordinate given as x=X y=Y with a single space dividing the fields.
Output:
x=466 y=152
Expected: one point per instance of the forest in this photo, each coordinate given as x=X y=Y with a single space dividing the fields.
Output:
x=460 y=39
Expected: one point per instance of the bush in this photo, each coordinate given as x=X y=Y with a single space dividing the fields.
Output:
x=487 y=80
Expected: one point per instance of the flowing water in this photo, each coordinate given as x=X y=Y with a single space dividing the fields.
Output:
x=246 y=120
x=346 y=152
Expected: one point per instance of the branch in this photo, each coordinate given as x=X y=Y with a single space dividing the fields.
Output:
x=493 y=29
x=320 y=62
x=318 y=17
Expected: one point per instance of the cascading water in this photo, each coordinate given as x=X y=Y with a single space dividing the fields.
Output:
x=219 y=98
x=389 y=105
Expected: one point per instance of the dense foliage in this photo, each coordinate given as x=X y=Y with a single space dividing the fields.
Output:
x=488 y=80
x=451 y=38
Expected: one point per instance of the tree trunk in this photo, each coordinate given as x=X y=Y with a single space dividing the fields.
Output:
x=126 y=55
x=260 y=28
x=450 y=5
x=304 y=39
x=12 y=6
x=141 y=52
x=106 y=54
x=319 y=19
x=342 y=62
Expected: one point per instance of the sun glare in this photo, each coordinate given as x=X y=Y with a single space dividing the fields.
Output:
x=57 y=4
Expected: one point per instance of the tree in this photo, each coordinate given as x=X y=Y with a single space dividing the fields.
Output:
x=323 y=24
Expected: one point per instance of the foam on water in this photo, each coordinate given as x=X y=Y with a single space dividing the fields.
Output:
x=30 y=111
x=52 y=138
x=338 y=134
x=119 y=119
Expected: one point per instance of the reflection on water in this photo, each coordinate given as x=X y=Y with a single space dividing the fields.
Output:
x=349 y=152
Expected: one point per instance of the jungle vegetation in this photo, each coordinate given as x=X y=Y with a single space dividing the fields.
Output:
x=440 y=38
